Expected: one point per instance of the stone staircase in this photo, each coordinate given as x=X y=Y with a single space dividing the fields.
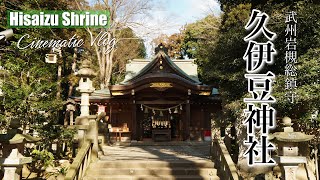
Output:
x=153 y=163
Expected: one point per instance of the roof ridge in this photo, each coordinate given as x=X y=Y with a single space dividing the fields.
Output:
x=175 y=68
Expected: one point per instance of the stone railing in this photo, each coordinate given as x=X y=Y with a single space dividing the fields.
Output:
x=223 y=162
x=81 y=162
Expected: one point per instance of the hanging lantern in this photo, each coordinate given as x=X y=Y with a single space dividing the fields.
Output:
x=141 y=107
x=171 y=117
x=180 y=107
x=169 y=111
x=161 y=114
x=154 y=112
x=146 y=111
x=176 y=111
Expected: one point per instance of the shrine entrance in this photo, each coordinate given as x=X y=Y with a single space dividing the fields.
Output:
x=161 y=123
x=159 y=100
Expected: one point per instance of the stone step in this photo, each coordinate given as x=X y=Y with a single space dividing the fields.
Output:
x=140 y=158
x=153 y=164
x=153 y=171
x=148 y=177
x=150 y=162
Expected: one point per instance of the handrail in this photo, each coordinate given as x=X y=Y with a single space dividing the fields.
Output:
x=225 y=166
x=81 y=162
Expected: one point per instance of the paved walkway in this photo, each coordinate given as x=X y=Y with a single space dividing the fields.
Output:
x=190 y=152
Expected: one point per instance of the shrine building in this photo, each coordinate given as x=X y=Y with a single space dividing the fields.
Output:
x=159 y=100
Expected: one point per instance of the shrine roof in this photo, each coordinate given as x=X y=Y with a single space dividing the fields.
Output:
x=100 y=94
x=185 y=68
x=159 y=71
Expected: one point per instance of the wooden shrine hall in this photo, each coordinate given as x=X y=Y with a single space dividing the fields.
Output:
x=159 y=100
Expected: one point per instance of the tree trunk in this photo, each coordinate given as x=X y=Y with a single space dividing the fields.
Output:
x=59 y=81
x=109 y=56
x=74 y=64
x=102 y=65
x=316 y=161
x=71 y=85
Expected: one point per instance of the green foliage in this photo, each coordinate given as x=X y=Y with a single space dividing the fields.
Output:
x=40 y=161
x=199 y=37
x=129 y=46
x=59 y=171
x=307 y=100
x=30 y=88
x=3 y=122
x=226 y=67
x=63 y=170
x=51 y=133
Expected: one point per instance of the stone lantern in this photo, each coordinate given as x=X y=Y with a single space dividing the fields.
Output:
x=70 y=108
x=86 y=123
x=13 y=146
x=289 y=156
x=85 y=86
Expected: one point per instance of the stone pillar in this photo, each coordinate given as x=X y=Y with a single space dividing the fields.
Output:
x=88 y=130
x=290 y=165
x=82 y=123
x=71 y=118
x=84 y=109
x=12 y=173
x=92 y=135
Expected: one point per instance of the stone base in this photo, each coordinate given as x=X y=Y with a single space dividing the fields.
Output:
x=12 y=173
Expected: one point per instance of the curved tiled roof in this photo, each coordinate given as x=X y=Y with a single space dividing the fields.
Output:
x=150 y=64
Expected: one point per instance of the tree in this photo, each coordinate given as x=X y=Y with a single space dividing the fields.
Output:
x=123 y=14
x=30 y=86
x=174 y=43
x=200 y=38
x=129 y=47
x=196 y=40
x=226 y=66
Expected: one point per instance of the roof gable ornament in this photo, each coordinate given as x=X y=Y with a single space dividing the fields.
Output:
x=161 y=47
x=161 y=86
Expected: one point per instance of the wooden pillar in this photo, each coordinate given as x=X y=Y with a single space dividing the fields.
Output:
x=139 y=117
x=134 y=121
x=203 y=117
x=202 y=121
x=187 y=123
x=110 y=113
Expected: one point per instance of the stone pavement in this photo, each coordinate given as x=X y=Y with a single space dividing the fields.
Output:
x=199 y=151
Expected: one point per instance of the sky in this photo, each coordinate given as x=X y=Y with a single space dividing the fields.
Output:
x=180 y=12
x=168 y=17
